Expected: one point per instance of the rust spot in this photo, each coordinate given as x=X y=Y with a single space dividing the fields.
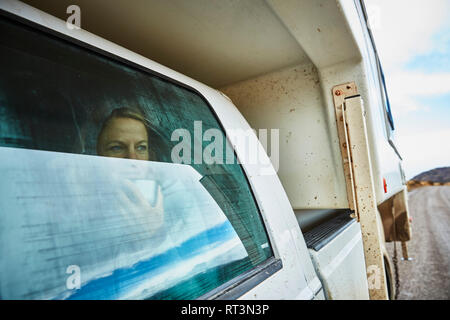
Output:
x=318 y=29
x=338 y=92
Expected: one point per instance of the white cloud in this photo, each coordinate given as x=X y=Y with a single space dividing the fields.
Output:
x=425 y=151
x=404 y=28
x=405 y=86
x=421 y=84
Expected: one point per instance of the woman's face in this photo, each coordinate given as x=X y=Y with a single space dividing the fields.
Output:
x=124 y=138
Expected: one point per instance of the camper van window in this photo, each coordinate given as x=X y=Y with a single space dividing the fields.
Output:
x=94 y=202
x=388 y=105
x=385 y=96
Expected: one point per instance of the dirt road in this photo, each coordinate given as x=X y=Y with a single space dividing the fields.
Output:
x=427 y=277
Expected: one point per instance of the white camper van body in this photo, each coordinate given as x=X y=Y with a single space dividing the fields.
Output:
x=311 y=46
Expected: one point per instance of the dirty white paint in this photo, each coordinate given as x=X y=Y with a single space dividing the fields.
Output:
x=290 y=100
x=341 y=266
x=204 y=39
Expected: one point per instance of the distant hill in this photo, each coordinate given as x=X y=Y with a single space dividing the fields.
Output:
x=441 y=175
x=435 y=177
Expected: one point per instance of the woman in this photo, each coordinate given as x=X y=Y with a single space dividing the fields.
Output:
x=124 y=134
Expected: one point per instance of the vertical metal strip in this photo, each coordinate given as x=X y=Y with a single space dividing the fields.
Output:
x=365 y=197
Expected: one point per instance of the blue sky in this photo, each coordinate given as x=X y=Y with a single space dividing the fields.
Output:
x=413 y=41
x=438 y=58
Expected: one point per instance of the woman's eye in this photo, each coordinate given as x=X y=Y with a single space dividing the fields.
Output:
x=141 y=148
x=115 y=148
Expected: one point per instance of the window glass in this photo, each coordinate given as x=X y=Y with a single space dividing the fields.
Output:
x=384 y=94
x=92 y=204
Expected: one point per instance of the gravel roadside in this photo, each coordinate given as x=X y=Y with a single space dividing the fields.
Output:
x=427 y=277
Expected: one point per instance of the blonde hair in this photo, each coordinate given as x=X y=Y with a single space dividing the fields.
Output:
x=134 y=113
x=125 y=112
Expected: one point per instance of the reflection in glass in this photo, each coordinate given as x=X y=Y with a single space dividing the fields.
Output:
x=119 y=253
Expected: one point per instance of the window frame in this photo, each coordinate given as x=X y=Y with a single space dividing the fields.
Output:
x=387 y=113
x=380 y=75
x=249 y=279
x=387 y=105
